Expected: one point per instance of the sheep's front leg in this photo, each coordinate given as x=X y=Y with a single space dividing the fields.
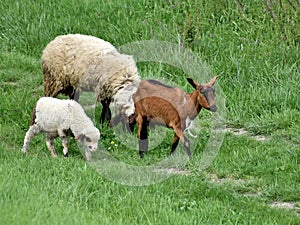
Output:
x=33 y=130
x=106 y=113
x=88 y=155
x=50 y=145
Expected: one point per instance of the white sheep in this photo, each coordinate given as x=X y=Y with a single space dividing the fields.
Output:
x=73 y=63
x=58 y=117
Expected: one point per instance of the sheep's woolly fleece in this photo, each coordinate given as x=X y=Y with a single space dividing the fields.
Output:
x=88 y=63
x=57 y=114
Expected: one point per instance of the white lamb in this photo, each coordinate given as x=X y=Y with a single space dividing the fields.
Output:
x=57 y=117
x=74 y=62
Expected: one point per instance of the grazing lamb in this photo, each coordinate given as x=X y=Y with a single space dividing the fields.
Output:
x=73 y=63
x=57 y=117
x=171 y=107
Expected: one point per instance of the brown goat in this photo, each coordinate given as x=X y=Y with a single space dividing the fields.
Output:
x=171 y=107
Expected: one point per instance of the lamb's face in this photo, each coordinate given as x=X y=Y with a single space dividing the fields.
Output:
x=90 y=144
x=91 y=140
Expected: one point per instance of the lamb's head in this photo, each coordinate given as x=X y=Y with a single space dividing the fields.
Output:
x=89 y=139
x=205 y=93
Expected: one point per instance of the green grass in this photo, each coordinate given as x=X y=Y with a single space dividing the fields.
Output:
x=257 y=56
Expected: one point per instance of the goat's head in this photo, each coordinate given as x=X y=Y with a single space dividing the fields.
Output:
x=205 y=93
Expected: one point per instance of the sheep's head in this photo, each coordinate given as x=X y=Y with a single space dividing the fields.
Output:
x=205 y=93
x=90 y=141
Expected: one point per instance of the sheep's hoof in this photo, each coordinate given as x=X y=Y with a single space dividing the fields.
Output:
x=66 y=155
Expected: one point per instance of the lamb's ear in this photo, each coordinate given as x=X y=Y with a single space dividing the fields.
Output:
x=192 y=82
x=212 y=81
x=79 y=136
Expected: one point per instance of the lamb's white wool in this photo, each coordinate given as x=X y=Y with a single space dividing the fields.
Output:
x=74 y=62
x=57 y=117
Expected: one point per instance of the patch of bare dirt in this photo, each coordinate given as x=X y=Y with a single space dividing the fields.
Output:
x=241 y=131
x=175 y=171
x=215 y=179
x=286 y=205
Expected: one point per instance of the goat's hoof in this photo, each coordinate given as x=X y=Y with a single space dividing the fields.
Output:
x=66 y=155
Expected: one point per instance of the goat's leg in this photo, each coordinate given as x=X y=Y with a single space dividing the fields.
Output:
x=50 y=145
x=33 y=130
x=106 y=113
x=184 y=141
x=175 y=143
x=132 y=122
x=142 y=137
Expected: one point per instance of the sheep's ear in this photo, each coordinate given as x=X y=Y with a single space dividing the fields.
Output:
x=192 y=82
x=80 y=136
x=212 y=81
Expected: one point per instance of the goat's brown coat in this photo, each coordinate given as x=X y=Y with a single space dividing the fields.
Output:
x=170 y=107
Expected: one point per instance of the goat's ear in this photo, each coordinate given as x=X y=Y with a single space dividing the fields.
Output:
x=79 y=136
x=212 y=81
x=192 y=82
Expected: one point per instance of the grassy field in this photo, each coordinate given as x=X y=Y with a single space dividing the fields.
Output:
x=254 y=179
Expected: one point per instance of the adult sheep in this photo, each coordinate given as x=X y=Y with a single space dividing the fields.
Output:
x=60 y=117
x=73 y=63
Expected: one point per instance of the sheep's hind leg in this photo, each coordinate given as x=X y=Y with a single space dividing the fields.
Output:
x=33 y=130
x=50 y=145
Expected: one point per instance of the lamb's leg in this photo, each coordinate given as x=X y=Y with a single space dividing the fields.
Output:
x=32 y=131
x=64 y=140
x=142 y=137
x=183 y=139
x=50 y=145
x=106 y=113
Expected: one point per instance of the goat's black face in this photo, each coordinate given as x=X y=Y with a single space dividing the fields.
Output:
x=208 y=92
